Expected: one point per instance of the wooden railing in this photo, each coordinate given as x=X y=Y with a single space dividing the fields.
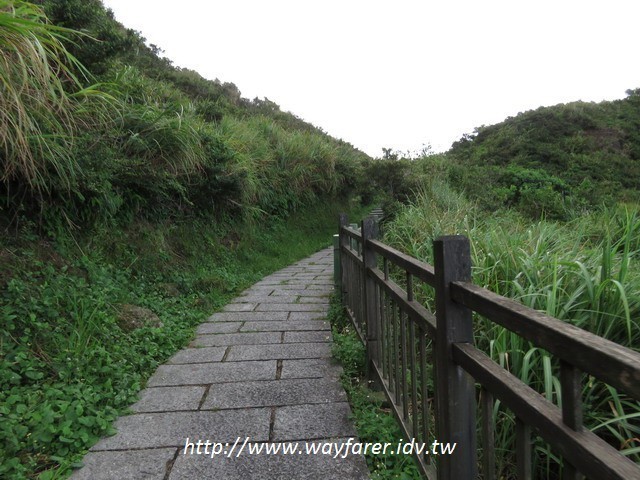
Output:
x=428 y=366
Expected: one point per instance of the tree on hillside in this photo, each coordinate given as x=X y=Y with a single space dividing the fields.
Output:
x=107 y=38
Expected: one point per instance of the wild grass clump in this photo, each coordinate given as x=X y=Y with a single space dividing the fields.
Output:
x=283 y=170
x=149 y=140
x=40 y=108
x=585 y=272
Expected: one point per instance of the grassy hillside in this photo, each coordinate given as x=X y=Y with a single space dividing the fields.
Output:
x=558 y=162
x=136 y=198
x=114 y=131
x=549 y=200
x=554 y=160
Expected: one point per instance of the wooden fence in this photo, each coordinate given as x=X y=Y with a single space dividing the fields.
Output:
x=429 y=368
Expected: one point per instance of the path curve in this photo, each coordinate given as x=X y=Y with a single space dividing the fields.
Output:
x=259 y=370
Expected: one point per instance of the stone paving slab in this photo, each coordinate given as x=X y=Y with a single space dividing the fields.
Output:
x=219 y=327
x=308 y=422
x=305 y=292
x=279 y=352
x=239 y=307
x=286 y=325
x=325 y=288
x=306 y=299
x=254 y=299
x=247 y=338
x=208 y=373
x=320 y=282
x=272 y=282
x=307 y=337
x=291 y=286
x=291 y=307
x=264 y=290
x=307 y=316
x=140 y=464
x=271 y=467
x=198 y=355
x=247 y=316
x=311 y=368
x=171 y=429
x=274 y=393
x=166 y=399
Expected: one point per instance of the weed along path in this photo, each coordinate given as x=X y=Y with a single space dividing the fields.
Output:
x=255 y=396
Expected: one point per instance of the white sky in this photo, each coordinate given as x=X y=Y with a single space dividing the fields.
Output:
x=401 y=73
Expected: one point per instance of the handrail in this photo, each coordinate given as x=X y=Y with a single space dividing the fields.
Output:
x=415 y=267
x=600 y=459
x=428 y=366
x=602 y=358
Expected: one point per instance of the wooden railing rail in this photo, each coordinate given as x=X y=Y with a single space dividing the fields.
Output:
x=602 y=358
x=428 y=367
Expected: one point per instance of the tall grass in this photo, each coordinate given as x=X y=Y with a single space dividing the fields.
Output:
x=36 y=112
x=153 y=149
x=585 y=272
x=282 y=170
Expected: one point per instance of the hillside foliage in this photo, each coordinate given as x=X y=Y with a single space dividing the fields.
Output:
x=129 y=183
x=554 y=160
x=127 y=180
x=112 y=130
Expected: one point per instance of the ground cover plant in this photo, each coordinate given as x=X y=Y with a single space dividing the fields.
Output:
x=374 y=421
x=71 y=360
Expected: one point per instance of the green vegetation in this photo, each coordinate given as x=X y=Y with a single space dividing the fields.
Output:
x=37 y=115
x=549 y=200
x=132 y=136
x=128 y=182
x=555 y=161
x=70 y=360
x=374 y=422
x=136 y=198
x=584 y=272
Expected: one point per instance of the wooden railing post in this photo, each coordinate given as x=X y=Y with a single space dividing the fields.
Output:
x=455 y=392
x=369 y=231
x=337 y=271
x=343 y=221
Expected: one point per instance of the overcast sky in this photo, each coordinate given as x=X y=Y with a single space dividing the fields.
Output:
x=401 y=73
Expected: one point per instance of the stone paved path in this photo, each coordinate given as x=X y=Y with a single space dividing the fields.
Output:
x=259 y=369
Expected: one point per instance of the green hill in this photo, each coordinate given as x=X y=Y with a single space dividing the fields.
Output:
x=554 y=159
x=542 y=237
x=134 y=135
